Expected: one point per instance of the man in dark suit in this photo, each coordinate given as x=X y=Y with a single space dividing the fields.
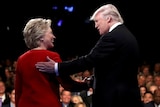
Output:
x=11 y=103
x=66 y=96
x=3 y=93
x=115 y=59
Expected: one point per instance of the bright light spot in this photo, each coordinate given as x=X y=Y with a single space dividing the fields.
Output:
x=60 y=23
x=69 y=8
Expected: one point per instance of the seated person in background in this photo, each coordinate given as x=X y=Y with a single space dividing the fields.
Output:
x=76 y=99
x=3 y=94
x=66 y=98
x=87 y=96
x=148 y=100
x=152 y=88
x=80 y=104
x=156 y=96
x=12 y=98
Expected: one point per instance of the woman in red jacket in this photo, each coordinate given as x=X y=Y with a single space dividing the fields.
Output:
x=34 y=88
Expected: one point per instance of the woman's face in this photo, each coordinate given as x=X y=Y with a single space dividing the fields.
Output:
x=48 y=39
x=12 y=96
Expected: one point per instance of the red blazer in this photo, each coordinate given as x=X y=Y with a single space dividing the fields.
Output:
x=34 y=88
x=38 y=89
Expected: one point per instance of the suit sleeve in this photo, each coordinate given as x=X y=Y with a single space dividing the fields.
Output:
x=102 y=50
x=66 y=80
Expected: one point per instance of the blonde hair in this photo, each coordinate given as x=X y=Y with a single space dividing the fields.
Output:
x=108 y=9
x=80 y=104
x=34 y=30
x=77 y=97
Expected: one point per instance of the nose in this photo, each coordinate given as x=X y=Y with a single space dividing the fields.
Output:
x=95 y=25
x=54 y=37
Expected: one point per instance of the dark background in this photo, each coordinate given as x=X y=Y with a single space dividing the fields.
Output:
x=77 y=35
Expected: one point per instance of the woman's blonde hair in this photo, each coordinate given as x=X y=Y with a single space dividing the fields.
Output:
x=34 y=30
x=80 y=104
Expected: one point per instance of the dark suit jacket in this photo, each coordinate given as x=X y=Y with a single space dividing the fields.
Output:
x=87 y=99
x=69 y=105
x=6 y=105
x=7 y=99
x=115 y=58
x=149 y=104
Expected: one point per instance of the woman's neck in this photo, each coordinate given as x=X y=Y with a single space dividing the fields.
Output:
x=39 y=48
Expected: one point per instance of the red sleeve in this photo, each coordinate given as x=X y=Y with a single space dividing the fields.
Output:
x=18 y=83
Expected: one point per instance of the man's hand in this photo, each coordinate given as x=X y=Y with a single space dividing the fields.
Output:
x=47 y=67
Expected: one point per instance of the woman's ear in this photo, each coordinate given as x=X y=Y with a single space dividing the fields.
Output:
x=41 y=39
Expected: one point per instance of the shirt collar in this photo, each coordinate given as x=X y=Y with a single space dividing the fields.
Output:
x=3 y=97
x=12 y=104
x=115 y=25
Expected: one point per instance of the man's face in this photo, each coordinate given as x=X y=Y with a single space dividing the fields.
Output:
x=101 y=24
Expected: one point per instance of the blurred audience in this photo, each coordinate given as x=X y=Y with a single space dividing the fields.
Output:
x=65 y=97
x=11 y=94
x=3 y=94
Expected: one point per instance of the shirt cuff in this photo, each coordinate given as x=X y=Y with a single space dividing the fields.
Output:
x=56 y=69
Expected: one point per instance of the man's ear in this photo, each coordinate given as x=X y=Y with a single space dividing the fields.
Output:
x=108 y=18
